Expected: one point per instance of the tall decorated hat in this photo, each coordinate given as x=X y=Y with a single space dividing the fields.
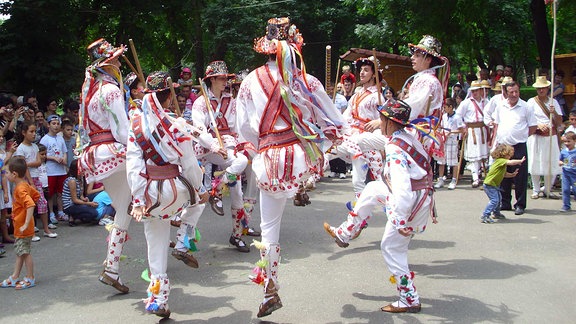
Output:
x=278 y=29
x=158 y=81
x=217 y=68
x=398 y=111
x=102 y=52
x=428 y=45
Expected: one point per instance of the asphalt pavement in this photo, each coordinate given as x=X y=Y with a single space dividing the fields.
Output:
x=516 y=271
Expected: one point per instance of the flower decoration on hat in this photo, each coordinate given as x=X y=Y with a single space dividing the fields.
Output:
x=101 y=52
x=278 y=29
x=158 y=81
x=396 y=110
x=427 y=45
x=217 y=68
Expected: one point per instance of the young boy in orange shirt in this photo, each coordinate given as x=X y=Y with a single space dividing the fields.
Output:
x=23 y=205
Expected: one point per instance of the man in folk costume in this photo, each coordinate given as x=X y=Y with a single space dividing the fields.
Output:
x=223 y=111
x=543 y=148
x=286 y=114
x=471 y=111
x=362 y=116
x=165 y=180
x=494 y=102
x=427 y=89
x=103 y=135
x=406 y=193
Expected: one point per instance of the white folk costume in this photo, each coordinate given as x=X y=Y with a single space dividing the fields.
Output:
x=103 y=135
x=471 y=111
x=543 y=149
x=426 y=94
x=450 y=124
x=165 y=177
x=285 y=114
x=362 y=108
x=407 y=196
x=224 y=114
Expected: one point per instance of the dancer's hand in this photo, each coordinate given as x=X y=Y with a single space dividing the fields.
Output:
x=203 y=197
x=138 y=212
x=372 y=125
x=404 y=232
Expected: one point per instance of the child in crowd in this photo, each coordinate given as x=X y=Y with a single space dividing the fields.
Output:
x=568 y=164
x=4 y=193
x=56 y=163
x=23 y=214
x=501 y=155
x=572 y=120
x=75 y=204
x=106 y=212
x=450 y=125
x=43 y=174
x=69 y=139
x=29 y=150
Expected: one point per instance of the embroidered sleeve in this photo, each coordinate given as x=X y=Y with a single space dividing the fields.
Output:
x=116 y=113
x=422 y=88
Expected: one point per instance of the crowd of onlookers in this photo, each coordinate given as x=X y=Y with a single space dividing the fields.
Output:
x=45 y=136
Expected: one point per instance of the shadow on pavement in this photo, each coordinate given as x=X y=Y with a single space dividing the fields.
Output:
x=471 y=269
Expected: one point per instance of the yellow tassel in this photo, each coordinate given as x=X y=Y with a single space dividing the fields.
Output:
x=393 y=279
x=155 y=288
x=259 y=245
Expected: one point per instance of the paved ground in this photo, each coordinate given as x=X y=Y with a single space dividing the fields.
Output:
x=517 y=271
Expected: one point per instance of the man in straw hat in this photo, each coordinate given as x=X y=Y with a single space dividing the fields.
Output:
x=495 y=102
x=407 y=193
x=103 y=136
x=286 y=114
x=165 y=180
x=471 y=111
x=543 y=146
x=514 y=122
x=223 y=113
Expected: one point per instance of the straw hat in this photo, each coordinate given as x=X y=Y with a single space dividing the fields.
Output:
x=485 y=84
x=475 y=85
x=497 y=87
x=541 y=82
x=506 y=80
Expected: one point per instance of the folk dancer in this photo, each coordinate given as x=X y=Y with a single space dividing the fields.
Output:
x=407 y=195
x=274 y=105
x=223 y=108
x=103 y=134
x=165 y=180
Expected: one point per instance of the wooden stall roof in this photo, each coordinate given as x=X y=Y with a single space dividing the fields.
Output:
x=396 y=68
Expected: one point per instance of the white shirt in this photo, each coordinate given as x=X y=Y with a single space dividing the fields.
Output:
x=513 y=122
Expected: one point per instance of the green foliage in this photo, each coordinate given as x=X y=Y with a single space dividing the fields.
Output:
x=42 y=44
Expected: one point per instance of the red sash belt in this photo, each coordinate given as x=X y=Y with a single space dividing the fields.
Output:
x=101 y=137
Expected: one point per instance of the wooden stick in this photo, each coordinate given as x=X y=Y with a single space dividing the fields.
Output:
x=174 y=97
x=328 y=75
x=378 y=88
x=461 y=159
x=210 y=112
x=336 y=81
x=130 y=64
x=137 y=61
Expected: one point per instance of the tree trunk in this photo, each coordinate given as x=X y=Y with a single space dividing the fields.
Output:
x=540 y=25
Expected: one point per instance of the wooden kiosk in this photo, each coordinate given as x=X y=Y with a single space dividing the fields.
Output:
x=396 y=69
x=567 y=63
